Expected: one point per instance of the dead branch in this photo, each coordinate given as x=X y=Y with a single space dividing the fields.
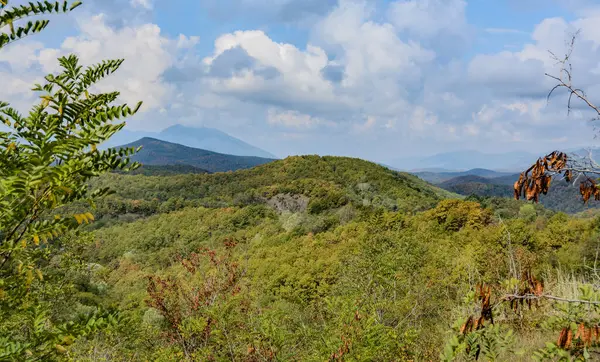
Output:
x=547 y=296
x=565 y=78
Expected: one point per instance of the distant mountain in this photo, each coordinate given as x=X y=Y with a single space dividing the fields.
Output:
x=205 y=138
x=439 y=177
x=562 y=196
x=506 y=180
x=465 y=179
x=468 y=159
x=436 y=170
x=211 y=139
x=158 y=152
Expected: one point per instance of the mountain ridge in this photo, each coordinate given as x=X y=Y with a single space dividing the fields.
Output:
x=157 y=152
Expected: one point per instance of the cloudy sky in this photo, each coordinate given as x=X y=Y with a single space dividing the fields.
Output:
x=377 y=79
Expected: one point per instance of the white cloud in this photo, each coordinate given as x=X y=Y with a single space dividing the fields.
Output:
x=422 y=119
x=146 y=51
x=505 y=31
x=367 y=125
x=428 y=18
x=365 y=74
x=294 y=119
x=146 y=4
x=352 y=67
x=370 y=49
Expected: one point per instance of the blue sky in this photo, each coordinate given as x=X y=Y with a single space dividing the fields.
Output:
x=377 y=79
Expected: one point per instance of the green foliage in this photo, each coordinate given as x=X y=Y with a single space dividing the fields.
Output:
x=328 y=183
x=527 y=212
x=10 y=15
x=578 y=319
x=494 y=343
x=47 y=159
x=308 y=275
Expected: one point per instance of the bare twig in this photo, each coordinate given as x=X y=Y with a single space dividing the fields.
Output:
x=565 y=78
x=547 y=296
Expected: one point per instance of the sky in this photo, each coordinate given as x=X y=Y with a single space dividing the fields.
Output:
x=376 y=79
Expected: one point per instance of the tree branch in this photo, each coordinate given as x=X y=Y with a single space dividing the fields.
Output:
x=510 y=297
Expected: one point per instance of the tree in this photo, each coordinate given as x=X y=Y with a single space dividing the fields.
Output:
x=537 y=178
x=47 y=159
x=8 y=17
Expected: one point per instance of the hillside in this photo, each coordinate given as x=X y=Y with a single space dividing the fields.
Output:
x=561 y=196
x=288 y=253
x=439 y=177
x=157 y=152
x=479 y=188
x=508 y=180
x=313 y=183
x=464 y=179
x=205 y=138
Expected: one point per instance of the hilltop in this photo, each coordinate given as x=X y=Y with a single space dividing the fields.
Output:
x=314 y=183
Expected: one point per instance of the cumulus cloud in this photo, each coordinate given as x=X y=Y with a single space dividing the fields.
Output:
x=428 y=18
x=295 y=119
x=352 y=66
x=146 y=4
x=524 y=69
x=518 y=88
x=147 y=55
x=364 y=74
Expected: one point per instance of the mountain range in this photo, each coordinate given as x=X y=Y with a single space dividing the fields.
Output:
x=466 y=161
x=205 y=138
x=439 y=177
x=562 y=196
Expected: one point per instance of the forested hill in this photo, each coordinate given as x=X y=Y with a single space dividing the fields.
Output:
x=157 y=152
x=321 y=183
x=562 y=196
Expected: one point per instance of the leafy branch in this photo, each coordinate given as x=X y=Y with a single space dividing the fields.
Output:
x=8 y=17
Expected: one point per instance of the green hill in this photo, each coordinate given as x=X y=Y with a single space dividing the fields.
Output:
x=294 y=257
x=439 y=177
x=476 y=185
x=464 y=179
x=291 y=255
x=157 y=152
x=322 y=183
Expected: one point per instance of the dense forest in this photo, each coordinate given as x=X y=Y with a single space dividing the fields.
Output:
x=307 y=258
